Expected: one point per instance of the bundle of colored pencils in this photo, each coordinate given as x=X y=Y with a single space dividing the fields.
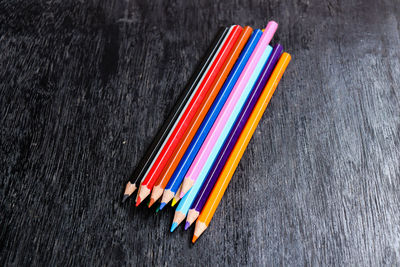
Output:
x=195 y=154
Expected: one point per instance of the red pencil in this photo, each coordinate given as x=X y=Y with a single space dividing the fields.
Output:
x=162 y=159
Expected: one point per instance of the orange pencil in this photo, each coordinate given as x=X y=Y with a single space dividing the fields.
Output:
x=194 y=125
x=219 y=189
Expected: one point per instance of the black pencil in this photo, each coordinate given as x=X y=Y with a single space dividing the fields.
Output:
x=146 y=162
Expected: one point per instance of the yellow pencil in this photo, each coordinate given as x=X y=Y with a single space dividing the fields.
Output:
x=219 y=189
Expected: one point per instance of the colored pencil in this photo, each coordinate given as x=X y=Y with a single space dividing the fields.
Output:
x=224 y=123
x=147 y=160
x=147 y=183
x=207 y=107
x=215 y=139
x=176 y=180
x=219 y=189
x=230 y=142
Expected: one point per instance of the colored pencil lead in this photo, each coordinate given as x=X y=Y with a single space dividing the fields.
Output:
x=178 y=218
x=173 y=227
x=174 y=201
x=187 y=225
x=137 y=202
x=151 y=202
x=158 y=209
x=176 y=197
x=162 y=205
x=194 y=238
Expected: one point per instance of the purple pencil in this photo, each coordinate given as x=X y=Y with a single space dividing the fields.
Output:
x=226 y=150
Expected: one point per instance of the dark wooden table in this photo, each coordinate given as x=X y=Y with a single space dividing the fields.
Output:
x=85 y=85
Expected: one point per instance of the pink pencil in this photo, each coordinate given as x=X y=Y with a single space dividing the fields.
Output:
x=226 y=118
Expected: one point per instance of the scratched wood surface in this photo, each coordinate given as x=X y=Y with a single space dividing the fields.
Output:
x=84 y=86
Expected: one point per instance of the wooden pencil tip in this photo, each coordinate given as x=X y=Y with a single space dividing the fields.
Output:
x=186 y=185
x=187 y=225
x=124 y=198
x=192 y=216
x=178 y=218
x=198 y=230
x=142 y=194
x=129 y=189
x=167 y=196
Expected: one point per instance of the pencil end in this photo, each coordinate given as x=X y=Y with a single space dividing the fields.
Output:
x=272 y=25
x=194 y=239
x=174 y=201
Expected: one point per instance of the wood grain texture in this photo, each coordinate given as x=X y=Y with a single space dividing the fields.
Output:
x=84 y=86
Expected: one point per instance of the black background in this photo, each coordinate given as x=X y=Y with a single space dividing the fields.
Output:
x=85 y=85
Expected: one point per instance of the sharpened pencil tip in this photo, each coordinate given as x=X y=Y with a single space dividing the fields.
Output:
x=138 y=200
x=158 y=209
x=194 y=238
x=162 y=205
x=151 y=202
x=124 y=198
x=187 y=225
x=173 y=227
x=173 y=202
